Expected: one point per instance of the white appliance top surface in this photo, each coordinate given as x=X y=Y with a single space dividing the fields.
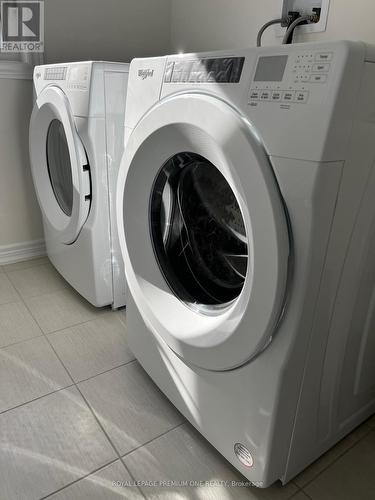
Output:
x=82 y=83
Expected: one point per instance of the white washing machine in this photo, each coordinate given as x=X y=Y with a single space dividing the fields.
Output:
x=248 y=186
x=76 y=144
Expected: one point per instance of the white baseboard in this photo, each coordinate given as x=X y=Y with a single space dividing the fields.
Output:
x=21 y=251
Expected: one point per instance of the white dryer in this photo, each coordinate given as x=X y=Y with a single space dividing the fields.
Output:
x=76 y=143
x=247 y=223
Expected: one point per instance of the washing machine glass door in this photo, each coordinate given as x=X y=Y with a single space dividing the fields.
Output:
x=204 y=231
x=59 y=165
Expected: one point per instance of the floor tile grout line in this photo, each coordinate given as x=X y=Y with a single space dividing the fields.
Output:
x=36 y=399
x=35 y=296
x=46 y=337
x=132 y=478
x=88 y=405
x=73 y=384
x=307 y=495
x=106 y=435
x=67 y=287
x=294 y=495
x=299 y=489
x=60 y=329
x=46 y=264
x=154 y=439
x=64 y=284
x=66 y=368
x=15 y=290
x=20 y=299
x=35 y=259
x=122 y=458
x=14 y=300
x=111 y=462
x=21 y=341
x=337 y=458
x=106 y=371
x=95 y=416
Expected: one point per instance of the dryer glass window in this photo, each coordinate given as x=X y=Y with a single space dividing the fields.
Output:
x=59 y=166
x=198 y=233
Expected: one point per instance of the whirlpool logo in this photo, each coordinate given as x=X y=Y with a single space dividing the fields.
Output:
x=145 y=73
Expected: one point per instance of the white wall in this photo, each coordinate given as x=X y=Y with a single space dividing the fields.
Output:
x=199 y=25
x=20 y=220
x=114 y=30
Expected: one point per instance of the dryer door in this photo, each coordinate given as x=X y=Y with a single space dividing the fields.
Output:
x=203 y=231
x=59 y=165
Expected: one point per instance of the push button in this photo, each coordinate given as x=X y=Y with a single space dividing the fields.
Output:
x=265 y=95
x=324 y=57
x=301 y=96
x=288 y=96
x=318 y=78
x=254 y=95
x=276 y=96
x=322 y=67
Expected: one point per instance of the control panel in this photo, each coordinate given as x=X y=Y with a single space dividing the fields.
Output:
x=204 y=70
x=79 y=76
x=55 y=73
x=289 y=79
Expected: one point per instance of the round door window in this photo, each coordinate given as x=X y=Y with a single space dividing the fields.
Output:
x=59 y=166
x=198 y=233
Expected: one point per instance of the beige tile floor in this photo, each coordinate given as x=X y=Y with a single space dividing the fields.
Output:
x=78 y=414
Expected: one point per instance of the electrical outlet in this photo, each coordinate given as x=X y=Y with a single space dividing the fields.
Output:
x=305 y=7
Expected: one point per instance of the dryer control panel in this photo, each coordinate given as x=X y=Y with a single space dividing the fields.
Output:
x=289 y=78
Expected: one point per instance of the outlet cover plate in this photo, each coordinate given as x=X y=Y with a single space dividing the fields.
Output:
x=305 y=7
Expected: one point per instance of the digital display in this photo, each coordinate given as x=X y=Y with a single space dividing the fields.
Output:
x=55 y=73
x=270 y=69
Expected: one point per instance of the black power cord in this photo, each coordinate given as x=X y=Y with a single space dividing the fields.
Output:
x=293 y=15
x=305 y=19
x=267 y=25
x=291 y=21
